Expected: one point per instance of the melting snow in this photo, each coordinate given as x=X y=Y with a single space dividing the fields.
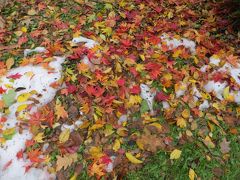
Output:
x=36 y=81
x=147 y=95
x=173 y=43
x=33 y=79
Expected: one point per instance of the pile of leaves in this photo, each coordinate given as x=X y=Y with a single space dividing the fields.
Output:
x=114 y=130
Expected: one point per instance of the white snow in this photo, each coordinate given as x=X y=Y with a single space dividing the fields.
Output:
x=165 y=105
x=204 y=105
x=182 y=89
x=37 y=50
x=214 y=60
x=147 y=95
x=35 y=81
x=89 y=43
x=71 y=127
x=122 y=119
x=173 y=43
x=34 y=78
x=232 y=71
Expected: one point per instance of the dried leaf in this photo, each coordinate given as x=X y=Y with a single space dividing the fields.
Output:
x=65 y=161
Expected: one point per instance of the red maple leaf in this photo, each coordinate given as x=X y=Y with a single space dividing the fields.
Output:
x=71 y=88
x=126 y=42
x=2 y=90
x=34 y=156
x=218 y=76
x=154 y=69
x=15 y=76
x=29 y=143
x=161 y=96
x=121 y=82
x=135 y=89
x=22 y=40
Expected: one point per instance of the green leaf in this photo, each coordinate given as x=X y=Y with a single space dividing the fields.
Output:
x=9 y=97
x=144 y=107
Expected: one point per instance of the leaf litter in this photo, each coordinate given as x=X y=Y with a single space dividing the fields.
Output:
x=99 y=86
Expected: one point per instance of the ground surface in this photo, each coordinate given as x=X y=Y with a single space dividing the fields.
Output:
x=152 y=94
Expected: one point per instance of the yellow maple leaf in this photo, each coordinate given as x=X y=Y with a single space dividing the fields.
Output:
x=175 y=154
x=39 y=137
x=95 y=152
x=65 y=161
x=60 y=111
x=186 y=113
x=181 y=122
x=140 y=67
x=107 y=31
x=134 y=99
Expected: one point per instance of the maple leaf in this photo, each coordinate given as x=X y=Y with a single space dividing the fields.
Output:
x=218 y=76
x=60 y=111
x=135 y=89
x=160 y=96
x=154 y=69
x=34 y=156
x=126 y=42
x=224 y=145
x=65 y=161
x=97 y=169
x=2 y=90
x=233 y=60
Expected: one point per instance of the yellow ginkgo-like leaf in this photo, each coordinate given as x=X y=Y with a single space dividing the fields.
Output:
x=191 y=174
x=23 y=97
x=132 y=158
x=175 y=154
x=21 y=107
x=10 y=63
x=116 y=145
x=64 y=136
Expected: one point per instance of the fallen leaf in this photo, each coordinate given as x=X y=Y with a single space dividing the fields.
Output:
x=132 y=158
x=224 y=146
x=9 y=63
x=64 y=136
x=65 y=161
x=191 y=174
x=175 y=154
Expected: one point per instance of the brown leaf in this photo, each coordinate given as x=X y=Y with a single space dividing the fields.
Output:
x=224 y=145
x=65 y=161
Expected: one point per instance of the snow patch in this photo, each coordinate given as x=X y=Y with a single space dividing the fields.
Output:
x=37 y=50
x=36 y=81
x=173 y=43
x=147 y=95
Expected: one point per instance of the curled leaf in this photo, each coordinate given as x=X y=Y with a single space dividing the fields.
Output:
x=132 y=158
